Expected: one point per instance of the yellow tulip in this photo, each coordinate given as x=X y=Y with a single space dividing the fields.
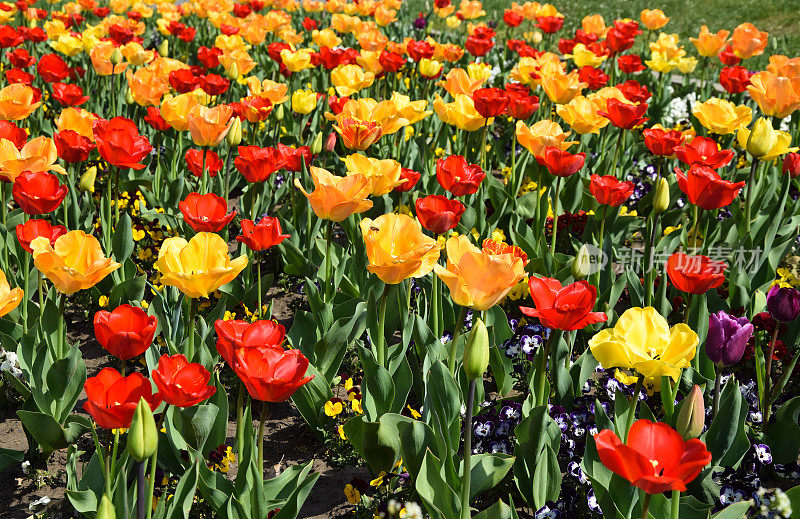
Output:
x=543 y=134
x=659 y=62
x=209 y=126
x=296 y=61
x=335 y=198
x=39 y=154
x=136 y=55
x=304 y=101
x=429 y=68
x=175 y=110
x=581 y=115
x=583 y=57
x=197 y=267
x=763 y=142
x=687 y=65
x=478 y=279
x=397 y=248
x=326 y=38
x=643 y=341
x=349 y=79
x=75 y=262
x=383 y=174
x=9 y=298
x=721 y=116
x=461 y=113
x=68 y=45
x=458 y=81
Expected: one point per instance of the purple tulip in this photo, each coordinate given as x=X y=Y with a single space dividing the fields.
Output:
x=783 y=303
x=420 y=22
x=727 y=338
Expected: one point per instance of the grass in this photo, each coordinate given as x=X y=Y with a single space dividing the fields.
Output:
x=781 y=18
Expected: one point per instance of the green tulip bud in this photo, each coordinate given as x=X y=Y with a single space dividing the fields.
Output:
x=691 y=418
x=233 y=72
x=163 y=49
x=279 y=112
x=661 y=198
x=316 y=146
x=116 y=57
x=234 y=136
x=582 y=263
x=143 y=435
x=87 y=179
x=762 y=138
x=106 y=509
x=129 y=96
x=476 y=354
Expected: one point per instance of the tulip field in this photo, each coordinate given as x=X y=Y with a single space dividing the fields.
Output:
x=383 y=259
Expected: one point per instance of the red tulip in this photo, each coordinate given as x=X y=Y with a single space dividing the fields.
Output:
x=695 y=274
x=111 y=398
x=734 y=79
x=38 y=192
x=120 y=144
x=634 y=92
x=595 y=78
x=293 y=158
x=182 y=383
x=522 y=106
x=618 y=41
x=704 y=151
x=16 y=75
x=120 y=35
x=32 y=229
x=791 y=165
x=68 y=94
x=512 y=18
x=705 y=188
x=233 y=335
x=213 y=84
x=624 y=115
x=728 y=57
x=154 y=119
x=72 y=146
x=209 y=57
x=550 y=24
x=411 y=178
x=125 y=332
x=457 y=176
x=561 y=163
x=206 y=213
x=439 y=214
x=417 y=50
x=630 y=63
x=257 y=164
x=271 y=375
x=194 y=161
x=655 y=457
x=662 y=142
x=51 y=68
x=609 y=191
x=20 y=58
x=391 y=61
x=490 y=102
x=262 y=235
x=183 y=81
x=563 y=308
x=478 y=46
x=11 y=132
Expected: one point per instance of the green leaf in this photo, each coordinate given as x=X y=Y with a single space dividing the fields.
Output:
x=499 y=510
x=486 y=472
x=373 y=441
x=726 y=437
x=10 y=457
x=439 y=498
x=736 y=510
x=377 y=387
x=181 y=503
x=122 y=242
x=194 y=424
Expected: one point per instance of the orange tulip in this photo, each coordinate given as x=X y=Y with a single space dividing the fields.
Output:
x=17 y=101
x=543 y=134
x=654 y=19
x=9 y=298
x=209 y=126
x=383 y=174
x=709 y=44
x=335 y=198
x=175 y=110
x=457 y=81
x=146 y=87
x=749 y=41
x=478 y=279
x=77 y=120
x=101 y=59
x=356 y=134
x=776 y=96
x=461 y=113
x=75 y=262
x=397 y=249
x=594 y=24
x=784 y=66
x=562 y=88
x=38 y=154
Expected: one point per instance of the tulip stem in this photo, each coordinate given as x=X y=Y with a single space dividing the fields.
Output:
x=190 y=329
x=749 y=196
x=141 y=499
x=675 y=509
x=154 y=466
x=646 y=505
x=62 y=332
x=465 y=476
x=203 y=179
x=258 y=273
x=239 y=418
x=41 y=294
x=451 y=362
x=617 y=151
x=380 y=340
x=483 y=144
x=717 y=389
x=649 y=267
x=766 y=405
x=328 y=277
x=114 y=449
x=26 y=272
x=116 y=197
x=436 y=305
x=264 y=416
x=555 y=219
x=102 y=454
x=634 y=401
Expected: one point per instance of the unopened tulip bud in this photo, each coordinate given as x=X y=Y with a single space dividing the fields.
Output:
x=692 y=417
x=106 y=509
x=143 y=435
x=163 y=49
x=476 y=354
x=582 y=264
x=661 y=198
x=116 y=57
x=87 y=180
x=762 y=138
x=233 y=72
x=279 y=112
x=234 y=136
x=129 y=96
x=316 y=146
x=330 y=142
